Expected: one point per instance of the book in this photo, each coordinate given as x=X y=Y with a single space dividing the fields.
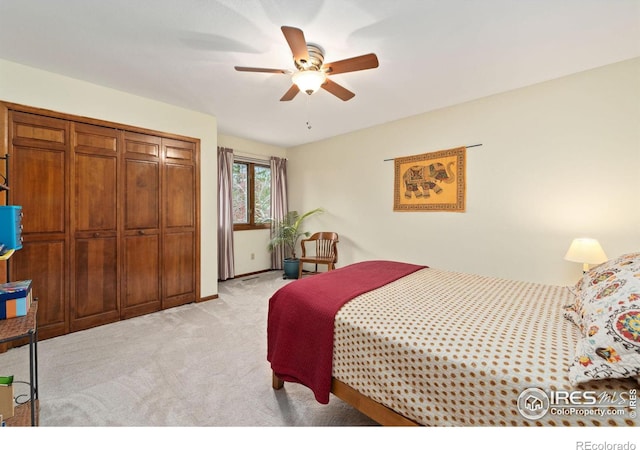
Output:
x=15 y=289
x=15 y=299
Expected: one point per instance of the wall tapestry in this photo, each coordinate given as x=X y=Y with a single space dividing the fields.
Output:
x=431 y=182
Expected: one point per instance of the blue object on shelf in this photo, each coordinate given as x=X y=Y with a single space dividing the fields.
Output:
x=11 y=227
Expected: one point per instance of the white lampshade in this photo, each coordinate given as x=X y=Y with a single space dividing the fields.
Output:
x=586 y=251
x=309 y=81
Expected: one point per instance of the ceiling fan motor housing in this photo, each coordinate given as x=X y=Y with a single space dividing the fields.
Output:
x=315 y=61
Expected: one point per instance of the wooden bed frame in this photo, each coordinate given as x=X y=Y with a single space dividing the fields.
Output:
x=370 y=408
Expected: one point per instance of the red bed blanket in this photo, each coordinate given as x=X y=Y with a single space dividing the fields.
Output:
x=301 y=320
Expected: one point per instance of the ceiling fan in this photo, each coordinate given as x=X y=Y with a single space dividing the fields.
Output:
x=312 y=72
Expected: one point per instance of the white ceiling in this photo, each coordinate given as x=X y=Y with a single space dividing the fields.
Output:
x=432 y=53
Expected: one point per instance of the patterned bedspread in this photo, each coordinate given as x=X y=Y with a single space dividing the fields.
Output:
x=445 y=348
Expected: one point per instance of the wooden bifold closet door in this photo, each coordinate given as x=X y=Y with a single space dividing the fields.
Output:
x=94 y=226
x=141 y=237
x=111 y=219
x=41 y=144
x=180 y=235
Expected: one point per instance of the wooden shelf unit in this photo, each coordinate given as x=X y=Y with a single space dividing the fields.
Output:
x=20 y=328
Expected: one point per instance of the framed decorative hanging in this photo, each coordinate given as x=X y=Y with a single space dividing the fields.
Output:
x=433 y=181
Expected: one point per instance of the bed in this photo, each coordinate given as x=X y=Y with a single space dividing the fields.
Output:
x=414 y=345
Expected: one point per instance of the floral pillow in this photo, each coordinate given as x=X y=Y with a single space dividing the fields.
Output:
x=573 y=311
x=594 y=277
x=608 y=314
x=571 y=314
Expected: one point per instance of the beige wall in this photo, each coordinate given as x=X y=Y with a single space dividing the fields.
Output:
x=32 y=87
x=558 y=160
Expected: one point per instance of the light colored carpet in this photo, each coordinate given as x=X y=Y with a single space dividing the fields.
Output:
x=199 y=365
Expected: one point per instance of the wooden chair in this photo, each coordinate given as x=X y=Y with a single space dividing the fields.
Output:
x=326 y=251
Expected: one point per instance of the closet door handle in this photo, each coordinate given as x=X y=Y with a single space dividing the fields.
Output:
x=141 y=232
x=96 y=235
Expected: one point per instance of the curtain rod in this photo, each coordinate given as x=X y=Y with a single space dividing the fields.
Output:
x=466 y=146
x=252 y=157
x=240 y=152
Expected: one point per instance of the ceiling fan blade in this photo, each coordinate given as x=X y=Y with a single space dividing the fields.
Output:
x=341 y=92
x=260 y=69
x=297 y=43
x=369 y=61
x=292 y=92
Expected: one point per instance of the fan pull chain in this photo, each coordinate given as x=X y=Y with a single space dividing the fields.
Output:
x=308 y=119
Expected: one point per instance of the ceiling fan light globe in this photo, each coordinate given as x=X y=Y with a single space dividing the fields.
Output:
x=309 y=81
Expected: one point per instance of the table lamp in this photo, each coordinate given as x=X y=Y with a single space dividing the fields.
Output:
x=586 y=251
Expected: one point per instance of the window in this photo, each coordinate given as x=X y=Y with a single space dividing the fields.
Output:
x=251 y=196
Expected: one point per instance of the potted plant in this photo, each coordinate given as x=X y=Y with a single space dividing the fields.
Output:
x=287 y=233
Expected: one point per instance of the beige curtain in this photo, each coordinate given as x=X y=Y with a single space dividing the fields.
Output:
x=279 y=203
x=225 y=214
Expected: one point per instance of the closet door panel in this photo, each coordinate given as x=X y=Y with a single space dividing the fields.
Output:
x=39 y=182
x=38 y=167
x=179 y=200
x=44 y=261
x=141 y=285
x=141 y=281
x=180 y=223
x=96 y=282
x=34 y=130
x=95 y=193
x=40 y=190
x=179 y=269
x=142 y=192
x=95 y=293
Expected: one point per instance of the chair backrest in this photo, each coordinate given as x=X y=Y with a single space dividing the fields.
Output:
x=325 y=244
